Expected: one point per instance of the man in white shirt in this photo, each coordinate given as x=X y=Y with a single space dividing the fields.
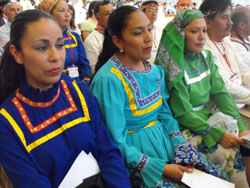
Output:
x=239 y=36
x=218 y=18
x=219 y=23
x=10 y=10
x=93 y=43
x=150 y=8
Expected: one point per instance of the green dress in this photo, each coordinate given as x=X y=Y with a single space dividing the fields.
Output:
x=192 y=82
x=189 y=96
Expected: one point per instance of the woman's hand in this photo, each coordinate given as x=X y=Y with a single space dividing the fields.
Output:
x=229 y=140
x=175 y=172
x=243 y=133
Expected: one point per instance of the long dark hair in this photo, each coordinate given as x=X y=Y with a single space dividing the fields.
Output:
x=11 y=73
x=117 y=22
x=72 y=21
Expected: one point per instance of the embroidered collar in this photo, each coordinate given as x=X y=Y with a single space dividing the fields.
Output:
x=29 y=93
x=126 y=72
x=118 y=63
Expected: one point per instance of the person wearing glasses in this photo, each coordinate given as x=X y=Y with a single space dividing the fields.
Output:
x=150 y=8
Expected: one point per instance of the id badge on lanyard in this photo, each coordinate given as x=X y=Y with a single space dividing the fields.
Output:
x=73 y=71
x=235 y=79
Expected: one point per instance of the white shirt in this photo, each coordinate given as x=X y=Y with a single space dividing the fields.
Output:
x=93 y=46
x=4 y=34
x=237 y=87
x=243 y=51
x=156 y=37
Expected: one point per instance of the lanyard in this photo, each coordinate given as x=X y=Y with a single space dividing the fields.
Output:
x=224 y=56
x=72 y=53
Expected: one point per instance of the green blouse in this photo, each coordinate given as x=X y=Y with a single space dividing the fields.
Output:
x=188 y=97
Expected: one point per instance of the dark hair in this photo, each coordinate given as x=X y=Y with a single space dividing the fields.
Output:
x=90 y=10
x=238 y=17
x=11 y=73
x=72 y=21
x=210 y=8
x=117 y=22
x=98 y=4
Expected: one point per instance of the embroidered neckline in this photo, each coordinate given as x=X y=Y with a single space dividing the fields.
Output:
x=135 y=86
x=55 y=117
x=148 y=66
x=202 y=66
x=37 y=104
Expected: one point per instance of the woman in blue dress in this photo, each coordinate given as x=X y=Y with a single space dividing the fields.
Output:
x=133 y=97
x=46 y=119
x=76 y=62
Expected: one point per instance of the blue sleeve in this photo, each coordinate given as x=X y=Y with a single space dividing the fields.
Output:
x=108 y=156
x=16 y=162
x=83 y=62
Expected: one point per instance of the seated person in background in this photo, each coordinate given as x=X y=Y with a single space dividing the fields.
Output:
x=132 y=95
x=94 y=42
x=90 y=24
x=183 y=5
x=76 y=62
x=46 y=121
x=150 y=8
x=192 y=79
x=2 y=19
x=72 y=26
x=219 y=23
x=10 y=10
x=239 y=36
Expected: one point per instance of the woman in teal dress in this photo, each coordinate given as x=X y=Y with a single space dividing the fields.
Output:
x=193 y=79
x=133 y=97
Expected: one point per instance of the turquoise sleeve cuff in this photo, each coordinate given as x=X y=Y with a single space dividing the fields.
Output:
x=176 y=139
x=153 y=171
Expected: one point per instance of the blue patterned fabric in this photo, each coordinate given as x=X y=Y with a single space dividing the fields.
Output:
x=186 y=154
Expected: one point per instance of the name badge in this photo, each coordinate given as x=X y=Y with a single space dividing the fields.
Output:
x=235 y=79
x=73 y=72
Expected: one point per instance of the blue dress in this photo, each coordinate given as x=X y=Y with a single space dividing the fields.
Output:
x=42 y=133
x=76 y=55
x=134 y=107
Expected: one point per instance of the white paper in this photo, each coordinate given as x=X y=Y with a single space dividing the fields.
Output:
x=246 y=138
x=84 y=166
x=198 y=179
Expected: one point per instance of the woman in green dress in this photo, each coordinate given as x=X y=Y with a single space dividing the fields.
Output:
x=214 y=126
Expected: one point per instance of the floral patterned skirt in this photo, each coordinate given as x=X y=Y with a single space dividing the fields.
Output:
x=185 y=154
x=229 y=159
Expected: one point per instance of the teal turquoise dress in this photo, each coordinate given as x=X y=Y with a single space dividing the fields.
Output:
x=134 y=107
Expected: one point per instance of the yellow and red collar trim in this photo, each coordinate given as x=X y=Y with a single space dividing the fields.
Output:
x=70 y=36
x=54 y=133
x=37 y=104
x=46 y=123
